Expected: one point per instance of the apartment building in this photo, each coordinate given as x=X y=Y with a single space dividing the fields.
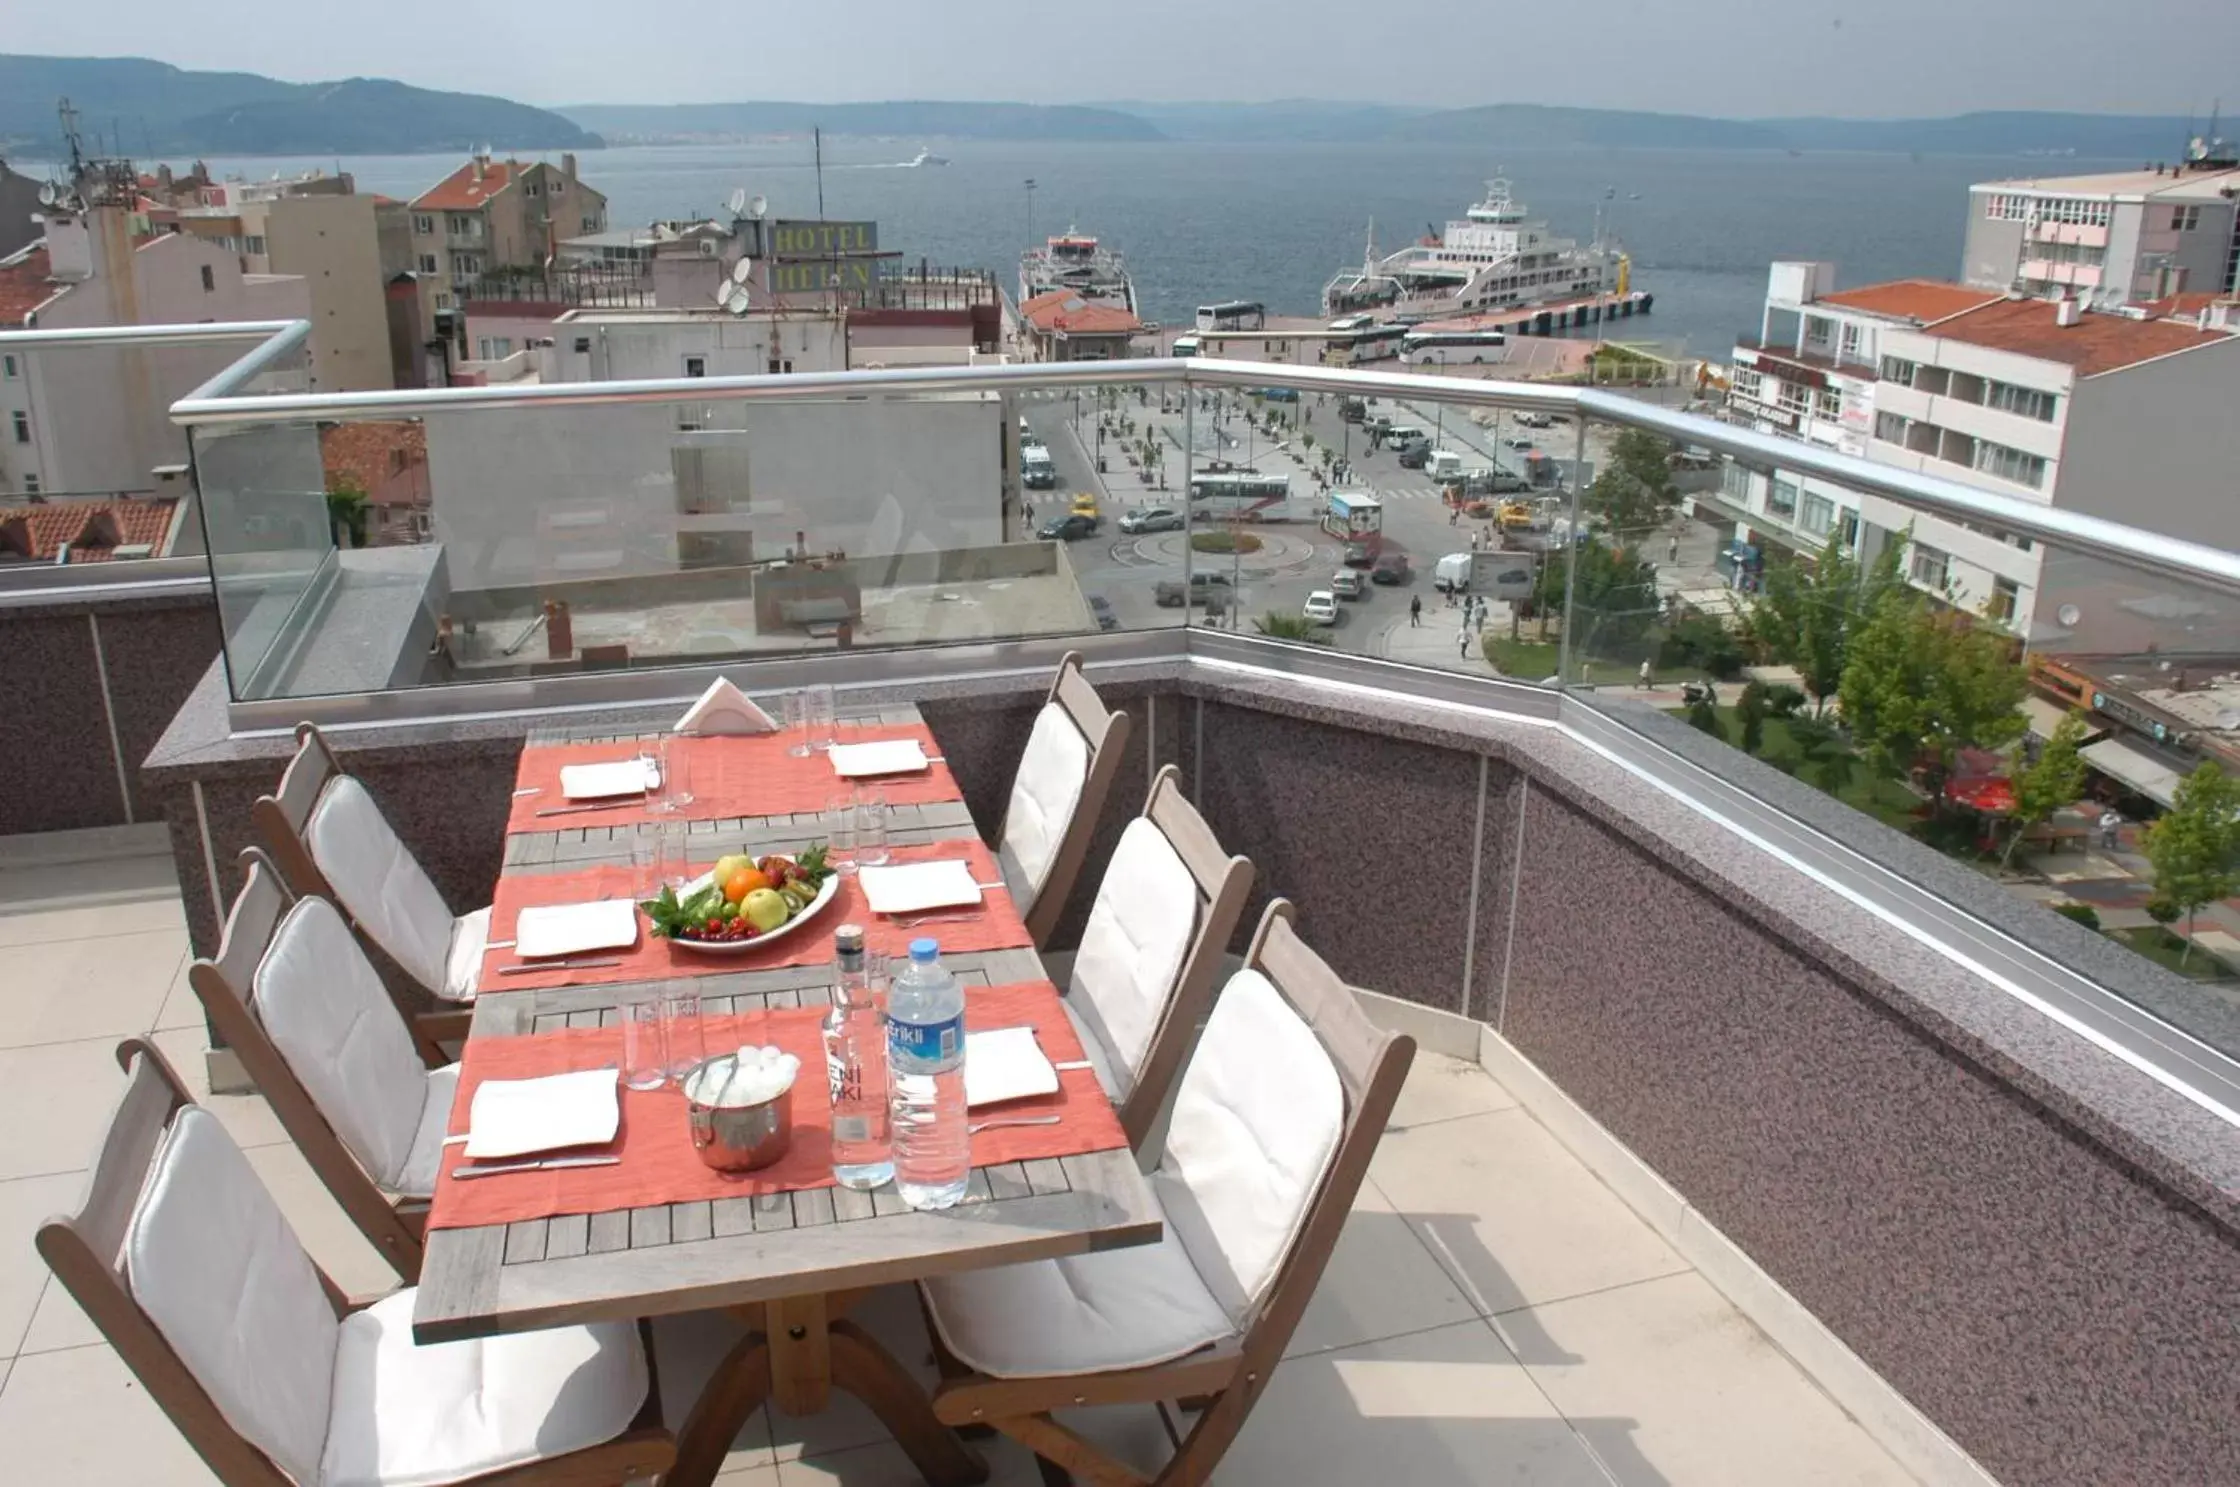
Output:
x=331 y=241
x=19 y=202
x=96 y=422
x=2041 y=400
x=2111 y=239
x=495 y=214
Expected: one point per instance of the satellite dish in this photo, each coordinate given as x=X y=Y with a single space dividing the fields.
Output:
x=739 y=302
x=723 y=295
x=739 y=201
x=2069 y=614
x=742 y=271
x=48 y=195
x=759 y=207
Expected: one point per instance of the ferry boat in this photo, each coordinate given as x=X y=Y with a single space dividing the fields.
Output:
x=1495 y=258
x=1074 y=260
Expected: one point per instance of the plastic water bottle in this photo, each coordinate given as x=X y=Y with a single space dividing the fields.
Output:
x=925 y=1057
x=855 y=1062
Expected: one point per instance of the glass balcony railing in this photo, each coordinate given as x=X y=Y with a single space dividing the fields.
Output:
x=1904 y=646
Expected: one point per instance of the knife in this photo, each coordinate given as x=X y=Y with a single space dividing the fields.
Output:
x=548 y=1164
x=614 y=803
x=528 y=967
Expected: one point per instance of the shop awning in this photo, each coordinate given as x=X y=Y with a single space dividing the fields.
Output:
x=2133 y=767
x=2046 y=716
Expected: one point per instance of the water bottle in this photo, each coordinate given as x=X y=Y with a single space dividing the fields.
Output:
x=855 y=1063
x=925 y=1057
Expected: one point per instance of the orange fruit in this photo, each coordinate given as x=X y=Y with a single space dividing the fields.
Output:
x=743 y=882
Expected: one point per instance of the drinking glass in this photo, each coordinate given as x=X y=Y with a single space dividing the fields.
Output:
x=645 y=1060
x=676 y=772
x=871 y=828
x=823 y=728
x=841 y=825
x=796 y=724
x=683 y=1035
x=649 y=860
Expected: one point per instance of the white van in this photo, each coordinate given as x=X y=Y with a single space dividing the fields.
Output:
x=1444 y=464
x=1406 y=433
x=1451 y=574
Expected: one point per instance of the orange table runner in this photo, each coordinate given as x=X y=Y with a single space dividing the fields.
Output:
x=747 y=776
x=658 y=1162
x=995 y=925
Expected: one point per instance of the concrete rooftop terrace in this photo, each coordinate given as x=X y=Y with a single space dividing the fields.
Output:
x=1493 y=1314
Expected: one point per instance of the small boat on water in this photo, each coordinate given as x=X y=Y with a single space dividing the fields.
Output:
x=926 y=158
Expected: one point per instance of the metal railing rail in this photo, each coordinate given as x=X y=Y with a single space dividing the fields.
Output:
x=2075 y=532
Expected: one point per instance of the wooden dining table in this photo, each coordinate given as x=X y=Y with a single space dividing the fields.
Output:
x=789 y=1264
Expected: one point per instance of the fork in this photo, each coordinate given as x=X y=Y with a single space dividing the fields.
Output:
x=1012 y=1120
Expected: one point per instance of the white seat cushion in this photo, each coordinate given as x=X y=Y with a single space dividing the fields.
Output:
x=407 y=1416
x=1123 y=1308
x=1052 y=774
x=462 y=963
x=426 y=1162
x=1132 y=947
x=224 y=1279
x=379 y=882
x=324 y=1007
x=1257 y=1119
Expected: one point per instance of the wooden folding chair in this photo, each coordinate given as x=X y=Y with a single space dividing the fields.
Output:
x=327 y=837
x=1152 y=951
x=1071 y=759
x=1217 y=1351
x=178 y=1254
x=235 y=989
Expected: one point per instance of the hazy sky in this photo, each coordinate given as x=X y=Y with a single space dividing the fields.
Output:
x=1734 y=58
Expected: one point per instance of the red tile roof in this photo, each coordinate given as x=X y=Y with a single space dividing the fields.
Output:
x=461 y=192
x=2189 y=304
x=1922 y=301
x=1062 y=311
x=90 y=529
x=24 y=286
x=373 y=457
x=2096 y=343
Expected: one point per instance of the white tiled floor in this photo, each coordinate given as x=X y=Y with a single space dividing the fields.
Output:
x=1493 y=1313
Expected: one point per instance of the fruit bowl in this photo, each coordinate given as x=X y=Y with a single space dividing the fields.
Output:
x=826 y=892
x=677 y=915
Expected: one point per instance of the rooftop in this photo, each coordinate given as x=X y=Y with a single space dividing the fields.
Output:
x=1064 y=312
x=39 y=531
x=469 y=187
x=2096 y=343
x=1921 y=301
x=2159 y=185
x=24 y=285
x=1458 y=1337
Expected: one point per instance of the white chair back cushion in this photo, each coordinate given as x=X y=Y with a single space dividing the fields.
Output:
x=1052 y=774
x=378 y=881
x=217 y=1269
x=1256 y=1122
x=324 y=1007
x=1134 y=943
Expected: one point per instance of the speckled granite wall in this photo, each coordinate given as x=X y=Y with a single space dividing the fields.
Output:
x=155 y=654
x=2064 y=1320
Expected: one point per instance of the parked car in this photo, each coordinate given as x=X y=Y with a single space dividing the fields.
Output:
x=1039 y=477
x=1071 y=527
x=1358 y=555
x=1518 y=441
x=1151 y=519
x=1280 y=394
x=1347 y=583
x=1415 y=456
x=1205 y=589
x=1352 y=410
x=1102 y=609
x=1392 y=568
x=1321 y=608
x=1535 y=421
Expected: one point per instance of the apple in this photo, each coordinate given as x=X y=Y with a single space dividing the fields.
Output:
x=766 y=909
x=726 y=866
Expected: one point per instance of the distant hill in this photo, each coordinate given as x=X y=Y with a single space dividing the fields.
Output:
x=138 y=107
x=2106 y=136
x=683 y=121
x=1532 y=125
x=1291 y=119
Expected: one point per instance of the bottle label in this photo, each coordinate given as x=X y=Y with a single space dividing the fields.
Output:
x=926 y=1042
x=852 y=1129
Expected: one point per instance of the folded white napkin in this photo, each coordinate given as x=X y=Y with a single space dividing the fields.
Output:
x=724 y=710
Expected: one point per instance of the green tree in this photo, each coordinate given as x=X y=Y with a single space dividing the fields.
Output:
x=2046 y=784
x=1807 y=613
x=1822 y=755
x=1703 y=716
x=2195 y=846
x=346 y=512
x=1921 y=684
x=1750 y=711
x=1278 y=626
x=1616 y=593
x=1634 y=492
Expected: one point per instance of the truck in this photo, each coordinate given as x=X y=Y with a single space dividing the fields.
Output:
x=1037 y=472
x=1444 y=464
x=1499 y=574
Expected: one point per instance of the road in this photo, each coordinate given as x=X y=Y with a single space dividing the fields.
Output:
x=1298 y=558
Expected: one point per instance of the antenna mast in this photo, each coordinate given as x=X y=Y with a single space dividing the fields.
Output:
x=817 y=135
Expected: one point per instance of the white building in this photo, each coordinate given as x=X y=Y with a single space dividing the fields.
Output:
x=2125 y=415
x=97 y=421
x=2123 y=237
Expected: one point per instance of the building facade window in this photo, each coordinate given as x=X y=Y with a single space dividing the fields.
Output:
x=461 y=225
x=583 y=345
x=1791 y=397
x=424 y=225
x=2185 y=219
x=31 y=486
x=2027 y=401
x=1897 y=369
x=1828 y=403
x=2009 y=464
x=1734 y=483
x=1817 y=515
x=254 y=245
x=1749 y=384
x=22 y=422
x=593 y=224
x=1890 y=427
x=209 y=280
x=1781 y=499
x=1930 y=568
x=1852 y=342
x=2006 y=599
x=696 y=366
x=428 y=264
x=8 y=367
x=443 y=299
x=466 y=263
x=1818 y=330
x=534 y=190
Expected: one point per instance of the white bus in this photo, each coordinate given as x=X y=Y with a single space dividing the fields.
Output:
x=1353 y=322
x=1240 y=496
x=1233 y=314
x=1185 y=346
x=1438 y=348
x=1351 y=348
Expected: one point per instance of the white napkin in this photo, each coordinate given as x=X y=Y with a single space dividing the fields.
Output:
x=722 y=711
x=516 y=1117
x=1005 y=1063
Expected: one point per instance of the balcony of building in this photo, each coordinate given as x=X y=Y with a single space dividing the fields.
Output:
x=1753 y=1140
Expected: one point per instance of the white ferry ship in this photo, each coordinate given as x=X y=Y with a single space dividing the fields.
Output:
x=1496 y=258
x=1074 y=260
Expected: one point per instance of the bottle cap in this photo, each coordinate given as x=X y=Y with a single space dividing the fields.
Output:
x=925 y=948
x=848 y=939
